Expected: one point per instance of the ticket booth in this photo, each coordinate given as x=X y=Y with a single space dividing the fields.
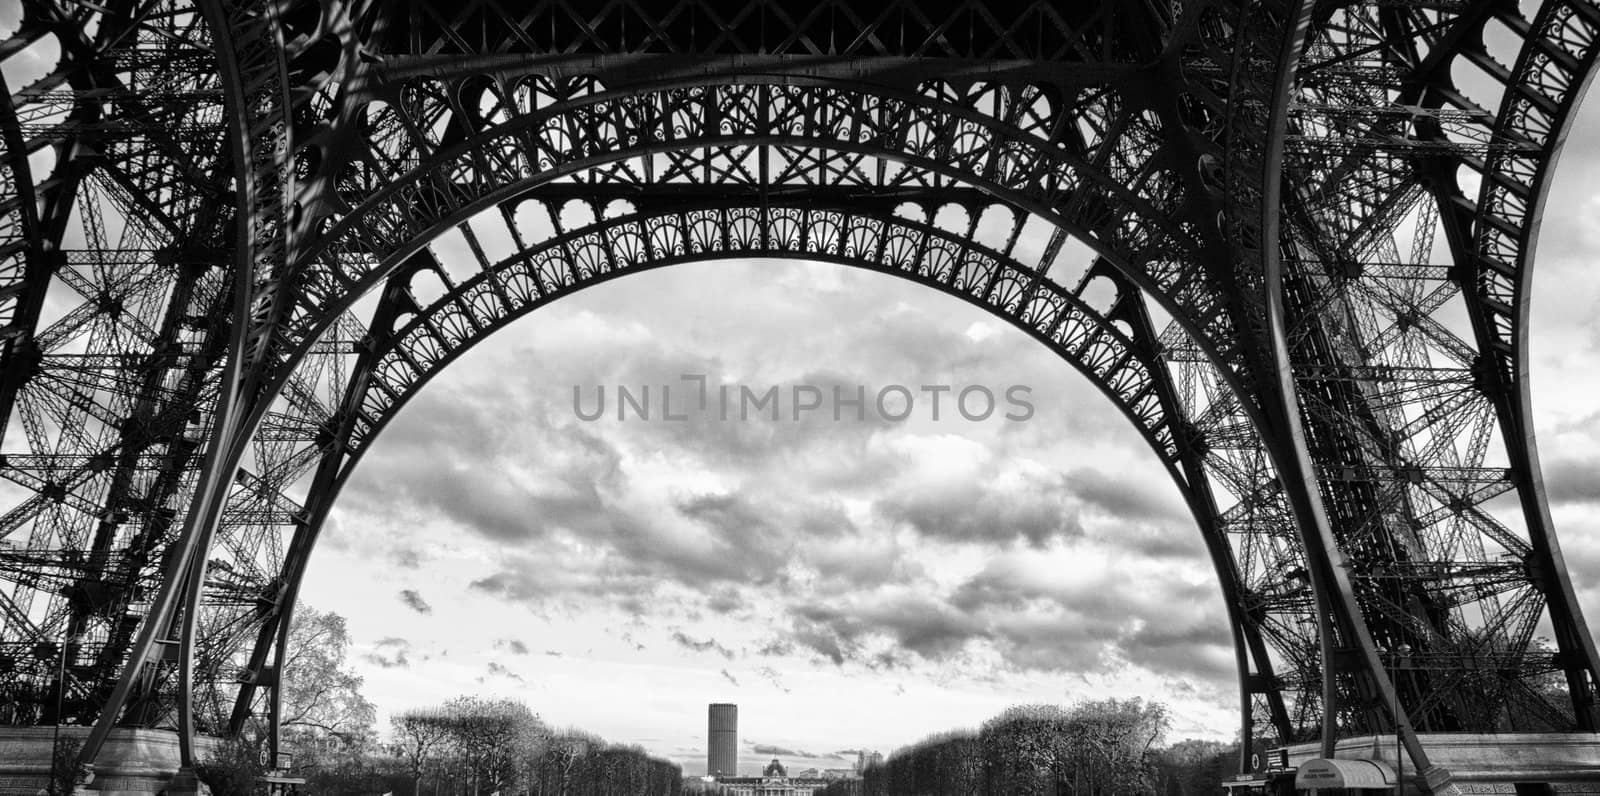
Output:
x=1325 y=777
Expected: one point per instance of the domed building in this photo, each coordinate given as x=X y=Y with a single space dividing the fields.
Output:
x=774 y=781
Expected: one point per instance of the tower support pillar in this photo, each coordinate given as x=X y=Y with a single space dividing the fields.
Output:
x=1501 y=764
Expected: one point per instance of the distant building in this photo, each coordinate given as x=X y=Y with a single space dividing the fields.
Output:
x=774 y=781
x=722 y=764
x=722 y=740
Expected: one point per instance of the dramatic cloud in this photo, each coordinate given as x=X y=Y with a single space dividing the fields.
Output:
x=726 y=601
x=954 y=489
x=390 y=653
x=822 y=642
x=777 y=647
x=436 y=474
x=1068 y=609
x=1044 y=618
x=779 y=751
x=863 y=561
x=709 y=644
x=771 y=675
x=562 y=575
x=1123 y=499
x=705 y=518
x=924 y=557
x=499 y=670
x=414 y=601
x=1571 y=480
x=915 y=622
x=514 y=646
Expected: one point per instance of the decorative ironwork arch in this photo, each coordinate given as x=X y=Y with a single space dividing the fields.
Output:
x=470 y=168
x=414 y=207
x=1254 y=170
x=423 y=207
x=717 y=135
x=407 y=344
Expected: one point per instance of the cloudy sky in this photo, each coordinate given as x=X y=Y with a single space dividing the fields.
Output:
x=854 y=584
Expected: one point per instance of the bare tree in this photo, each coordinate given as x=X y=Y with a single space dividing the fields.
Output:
x=421 y=737
x=1195 y=768
x=321 y=694
x=1089 y=749
x=496 y=738
x=576 y=763
x=326 y=720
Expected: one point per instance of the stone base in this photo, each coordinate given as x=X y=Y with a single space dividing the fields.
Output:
x=133 y=762
x=185 y=783
x=1485 y=765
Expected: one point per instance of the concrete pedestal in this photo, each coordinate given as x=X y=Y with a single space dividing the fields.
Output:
x=185 y=783
x=1486 y=765
x=133 y=762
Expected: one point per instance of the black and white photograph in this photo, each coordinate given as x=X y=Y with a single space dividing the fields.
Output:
x=799 y=398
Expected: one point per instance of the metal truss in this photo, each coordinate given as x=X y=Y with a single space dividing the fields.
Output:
x=236 y=237
x=1415 y=422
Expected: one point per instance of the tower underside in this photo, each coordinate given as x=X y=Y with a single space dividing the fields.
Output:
x=1291 y=241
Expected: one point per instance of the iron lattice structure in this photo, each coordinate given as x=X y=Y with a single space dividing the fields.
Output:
x=1291 y=240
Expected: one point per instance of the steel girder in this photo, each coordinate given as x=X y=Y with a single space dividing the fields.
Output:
x=110 y=394
x=1269 y=176
x=1408 y=483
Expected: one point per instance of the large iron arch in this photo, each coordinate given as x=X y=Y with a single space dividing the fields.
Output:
x=1184 y=280
x=430 y=208
x=1204 y=287
x=1237 y=158
x=1119 y=241
x=264 y=345
x=407 y=345
x=421 y=218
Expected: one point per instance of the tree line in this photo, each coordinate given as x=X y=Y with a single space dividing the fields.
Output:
x=476 y=746
x=470 y=746
x=1094 y=748
x=465 y=746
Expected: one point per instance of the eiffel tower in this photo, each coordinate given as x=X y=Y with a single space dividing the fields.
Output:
x=1290 y=239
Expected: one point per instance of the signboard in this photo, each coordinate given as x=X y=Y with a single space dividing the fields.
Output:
x=1264 y=758
x=1258 y=756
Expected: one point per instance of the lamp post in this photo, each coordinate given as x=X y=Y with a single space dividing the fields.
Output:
x=55 y=737
x=1400 y=653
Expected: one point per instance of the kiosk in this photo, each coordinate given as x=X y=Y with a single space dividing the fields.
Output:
x=1353 y=777
x=1274 y=776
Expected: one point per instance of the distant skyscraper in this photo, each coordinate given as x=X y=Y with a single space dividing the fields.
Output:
x=722 y=740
